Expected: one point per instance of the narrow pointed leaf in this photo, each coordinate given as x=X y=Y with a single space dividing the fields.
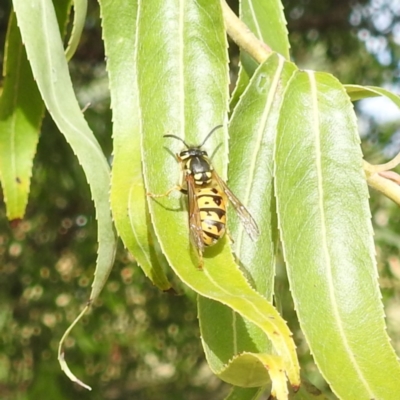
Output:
x=183 y=81
x=252 y=135
x=80 y=10
x=46 y=55
x=21 y=113
x=267 y=21
x=128 y=197
x=357 y=92
x=252 y=130
x=241 y=84
x=40 y=33
x=326 y=233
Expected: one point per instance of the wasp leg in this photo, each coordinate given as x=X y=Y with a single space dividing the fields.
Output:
x=177 y=187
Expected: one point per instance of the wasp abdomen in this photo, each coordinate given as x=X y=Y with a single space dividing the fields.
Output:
x=212 y=214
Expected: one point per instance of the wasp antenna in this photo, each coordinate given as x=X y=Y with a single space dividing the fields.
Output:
x=177 y=137
x=212 y=131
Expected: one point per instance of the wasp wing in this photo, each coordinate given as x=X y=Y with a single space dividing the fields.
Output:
x=196 y=231
x=245 y=217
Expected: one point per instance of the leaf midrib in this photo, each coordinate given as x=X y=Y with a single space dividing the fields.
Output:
x=257 y=146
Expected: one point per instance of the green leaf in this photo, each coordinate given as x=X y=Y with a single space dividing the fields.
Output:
x=80 y=10
x=21 y=113
x=252 y=130
x=183 y=82
x=267 y=21
x=252 y=135
x=240 y=86
x=40 y=33
x=49 y=66
x=357 y=92
x=326 y=233
x=128 y=197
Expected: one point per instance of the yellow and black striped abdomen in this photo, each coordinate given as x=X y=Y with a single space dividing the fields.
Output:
x=212 y=206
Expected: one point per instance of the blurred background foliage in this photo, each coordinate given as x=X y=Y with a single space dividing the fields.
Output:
x=138 y=342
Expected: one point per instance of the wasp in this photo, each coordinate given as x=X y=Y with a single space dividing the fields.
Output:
x=207 y=196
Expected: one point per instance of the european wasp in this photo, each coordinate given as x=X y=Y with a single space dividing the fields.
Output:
x=207 y=195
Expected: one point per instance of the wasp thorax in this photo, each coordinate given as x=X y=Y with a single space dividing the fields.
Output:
x=200 y=168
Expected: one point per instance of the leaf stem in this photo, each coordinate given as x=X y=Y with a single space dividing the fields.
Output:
x=393 y=163
x=384 y=185
x=380 y=178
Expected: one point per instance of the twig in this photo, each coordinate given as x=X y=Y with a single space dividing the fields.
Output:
x=242 y=35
